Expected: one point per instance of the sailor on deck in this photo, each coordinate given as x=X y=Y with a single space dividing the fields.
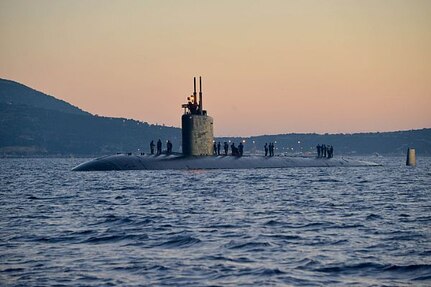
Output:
x=233 y=149
x=168 y=147
x=152 y=145
x=159 y=147
x=226 y=148
x=240 y=149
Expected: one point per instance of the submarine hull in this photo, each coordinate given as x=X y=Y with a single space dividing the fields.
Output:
x=152 y=162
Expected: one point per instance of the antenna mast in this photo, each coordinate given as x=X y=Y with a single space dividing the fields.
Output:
x=194 y=91
x=200 y=96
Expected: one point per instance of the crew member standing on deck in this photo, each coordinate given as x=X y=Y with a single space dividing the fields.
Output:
x=233 y=148
x=240 y=149
x=152 y=145
x=218 y=148
x=266 y=149
x=226 y=148
x=331 y=151
x=319 y=150
x=168 y=147
x=159 y=147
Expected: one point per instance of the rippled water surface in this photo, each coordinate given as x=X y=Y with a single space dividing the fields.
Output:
x=296 y=226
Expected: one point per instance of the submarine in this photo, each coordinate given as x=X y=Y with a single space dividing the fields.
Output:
x=197 y=150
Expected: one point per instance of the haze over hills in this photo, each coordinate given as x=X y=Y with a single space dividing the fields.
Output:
x=33 y=123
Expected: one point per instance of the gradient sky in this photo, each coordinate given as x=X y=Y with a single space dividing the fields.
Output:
x=267 y=66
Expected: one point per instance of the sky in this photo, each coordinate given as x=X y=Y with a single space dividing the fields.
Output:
x=268 y=67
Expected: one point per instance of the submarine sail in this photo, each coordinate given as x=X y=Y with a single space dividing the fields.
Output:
x=197 y=126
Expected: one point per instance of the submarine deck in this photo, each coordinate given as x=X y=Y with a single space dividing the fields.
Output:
x=178 y=161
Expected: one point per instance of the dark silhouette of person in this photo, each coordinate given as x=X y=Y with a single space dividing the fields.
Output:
x=266 y=149
x=226 y=148
x=159 y=147
x=271 y=149
x=152 y=145
x=331 y=152
x=215 y=148
x=319 y=150
x=193 y=106
x=218 y=148
x=233 y=148
x=324 y=151
x=240 y=149
x=169 y=147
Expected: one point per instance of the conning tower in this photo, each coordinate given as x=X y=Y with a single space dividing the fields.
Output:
x=197 y=126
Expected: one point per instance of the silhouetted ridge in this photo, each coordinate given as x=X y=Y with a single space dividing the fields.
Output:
x=13 y=93
x=33 y=123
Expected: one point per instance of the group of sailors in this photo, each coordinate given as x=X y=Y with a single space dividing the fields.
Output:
x=235 y=151
x=325 y=151
x=239 y=151
x=269 y=148
x=159 y=147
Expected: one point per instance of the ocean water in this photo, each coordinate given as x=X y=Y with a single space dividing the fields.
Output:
x=264 y=227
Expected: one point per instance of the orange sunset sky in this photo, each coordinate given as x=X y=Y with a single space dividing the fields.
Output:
x=267 y=66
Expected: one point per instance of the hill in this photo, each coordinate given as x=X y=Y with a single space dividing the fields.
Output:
x=13 y=93
x=33 y=123
x=385 y=143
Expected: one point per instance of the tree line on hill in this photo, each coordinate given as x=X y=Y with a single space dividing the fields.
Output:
x=383 y=143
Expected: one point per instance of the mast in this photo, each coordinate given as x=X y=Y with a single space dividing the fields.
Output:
x=194 y=90
x=200 y=96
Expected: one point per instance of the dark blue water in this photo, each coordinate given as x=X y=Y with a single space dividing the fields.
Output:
x=297 y=226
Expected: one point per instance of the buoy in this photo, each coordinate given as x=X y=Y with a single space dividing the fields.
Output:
x=411 y=157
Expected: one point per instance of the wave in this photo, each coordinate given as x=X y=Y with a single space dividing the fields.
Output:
x=287 y=237
x=240 y=259
x=373 y=216
x=246 y=245
x=227 y=226
x=182 y=241
x=115 y=238
x=413 y=271
x=273 y=222
x=114 y=219
x=308 y=225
